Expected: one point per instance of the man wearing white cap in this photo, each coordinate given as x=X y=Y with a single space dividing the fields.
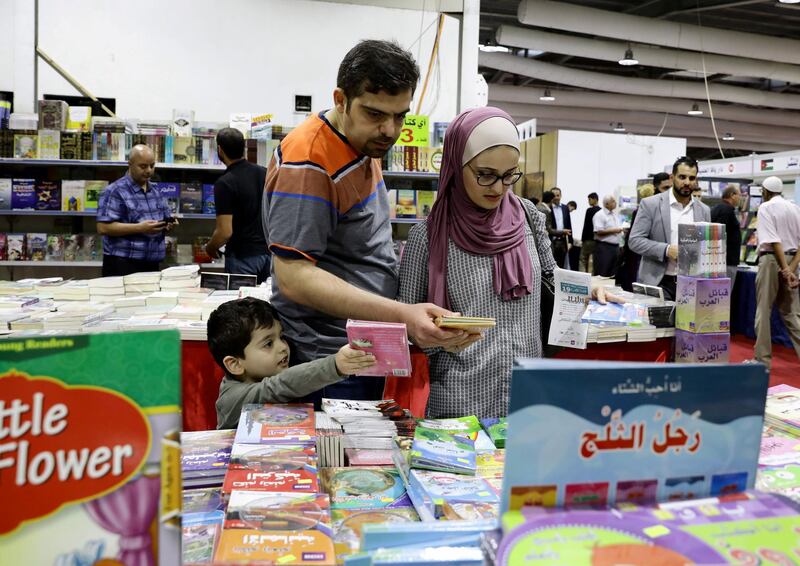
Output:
x=776 y=281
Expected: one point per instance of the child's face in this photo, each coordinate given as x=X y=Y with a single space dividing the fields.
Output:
x=267 y=353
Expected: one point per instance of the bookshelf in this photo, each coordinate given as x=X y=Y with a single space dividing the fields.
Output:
x=104 y=163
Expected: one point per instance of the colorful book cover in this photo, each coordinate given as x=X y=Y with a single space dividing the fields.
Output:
x=17 y=250
x=406 y=203
x=70 y=145
x=79 y=118
x=48 y=144
x=48 y=195
x=3 y=246
x=73 y=195
x=90 y=247
x=270 y=457
x=631 y=422
x=277 y=528
x=64 y=476
x=171 y=192
x=72 y=246
x=711 y=348
x=439 y=450
x=23 y=194
x=208 y=199
x=703 y=305
x=36 y=246
x=364 y=488
x=270 y=470
x=277 y=424
x=206 y=451
x=387 y=341
x=191 y=198
x=614 y=314
x=183 y=151
x=747 y=528
x=93 y=190
x=701 y=249
x=204 y=500
x=491 y=463
x=425 y=200
x=52 y=115
x=471 y=495
x=783 y=403
x=348 y=526
x=467 y=427
x=25 y=145
x=5 y=194
x=199 y=535
x=497 y=429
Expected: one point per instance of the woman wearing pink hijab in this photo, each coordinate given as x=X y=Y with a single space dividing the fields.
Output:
x=478 y=254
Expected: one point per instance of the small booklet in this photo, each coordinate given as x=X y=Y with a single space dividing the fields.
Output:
x=387 y=341
x=472 y=324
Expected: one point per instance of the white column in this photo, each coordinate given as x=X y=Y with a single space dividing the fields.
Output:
x=468 y=68
x=24 y=58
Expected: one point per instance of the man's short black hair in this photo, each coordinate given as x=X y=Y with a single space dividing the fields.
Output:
x=555 y=189
x=659 y=178
x=374 y=66
x=231 y=326
x=594 y=196
x=690 y=162
x=573 y=204
x=231 y=141
x=547 y=197
x=535 y=200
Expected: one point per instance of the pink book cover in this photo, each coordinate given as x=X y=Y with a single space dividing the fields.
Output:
x=387 y=341
x=783 y=402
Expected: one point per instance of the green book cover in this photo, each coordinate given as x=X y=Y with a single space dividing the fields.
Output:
x=89 y=454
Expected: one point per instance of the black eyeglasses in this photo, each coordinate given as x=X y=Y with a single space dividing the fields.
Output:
x=489 y=179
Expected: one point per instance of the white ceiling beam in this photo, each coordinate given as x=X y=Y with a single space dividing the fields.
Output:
x=591 y=21
x=605 y=50
x=627 y=85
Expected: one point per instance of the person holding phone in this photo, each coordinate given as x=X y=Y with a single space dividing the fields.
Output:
x=133 y=218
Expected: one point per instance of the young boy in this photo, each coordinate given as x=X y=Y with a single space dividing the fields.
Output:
x=245 y=338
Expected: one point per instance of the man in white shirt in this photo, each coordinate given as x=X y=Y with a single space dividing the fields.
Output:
x=776 y=281
x=654 y=234
x=607 y=233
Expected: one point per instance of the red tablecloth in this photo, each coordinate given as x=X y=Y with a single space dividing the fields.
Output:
x=659 y=351
x=201 y=376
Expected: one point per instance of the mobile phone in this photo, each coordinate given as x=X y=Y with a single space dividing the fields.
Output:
x=169 y=220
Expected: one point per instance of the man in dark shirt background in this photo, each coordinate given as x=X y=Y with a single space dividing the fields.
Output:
x=662 y=182
x=725 y=213
x=587 y=234
x=237 y=198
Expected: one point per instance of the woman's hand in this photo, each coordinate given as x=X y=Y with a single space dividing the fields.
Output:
x=466 y=343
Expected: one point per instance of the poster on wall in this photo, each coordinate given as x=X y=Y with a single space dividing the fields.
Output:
x=89 y=452
x=599 y=433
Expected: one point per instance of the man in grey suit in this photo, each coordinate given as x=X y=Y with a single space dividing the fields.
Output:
x=654 y=234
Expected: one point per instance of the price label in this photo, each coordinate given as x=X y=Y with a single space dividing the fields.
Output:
x=415 y=131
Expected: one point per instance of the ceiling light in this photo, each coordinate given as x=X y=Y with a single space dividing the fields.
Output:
x=547 y=97
x=629 y=59
x=695 y=111
x=789 y=1
x=728 y=137
x=618 y=127
x=493 y=48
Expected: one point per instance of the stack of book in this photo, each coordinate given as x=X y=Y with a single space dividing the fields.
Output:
x=370 y=425
x=702 y=312
x=72 y=291
x=779 y=464
x=214 y=300
x=783 y=409
x=205 y=456
x=180 y=277
x=497 y=429
x=163 y=299
x=441 y=495
x=442 y=451
x=329 y=440
x=106 y=289
x=142 y=283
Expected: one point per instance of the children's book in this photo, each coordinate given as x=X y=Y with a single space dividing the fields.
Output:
x=746 y=528
x=387 y=341
x=442 y=451
x=636 y=431
x=272 y=468
x=91 y=445
x=497 y=429
x=467 y=427
x=205 y=453
x=471 y=496
x=277 y=528
x=277 y=424
x=364 y=488
x=348 y=526
x=199 y=535
x=93 y=189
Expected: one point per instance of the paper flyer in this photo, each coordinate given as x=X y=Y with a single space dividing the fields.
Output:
x=573 y=290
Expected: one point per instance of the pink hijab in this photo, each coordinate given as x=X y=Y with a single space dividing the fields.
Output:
x=499 y=232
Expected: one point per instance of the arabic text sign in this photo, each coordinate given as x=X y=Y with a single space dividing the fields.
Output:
x=415 y=132
x=602 y=432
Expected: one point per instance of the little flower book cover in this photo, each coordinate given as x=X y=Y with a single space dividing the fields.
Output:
x=387 y=341
x=89 y=453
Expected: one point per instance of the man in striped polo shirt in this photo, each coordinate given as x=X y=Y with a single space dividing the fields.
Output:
x=327 y=221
